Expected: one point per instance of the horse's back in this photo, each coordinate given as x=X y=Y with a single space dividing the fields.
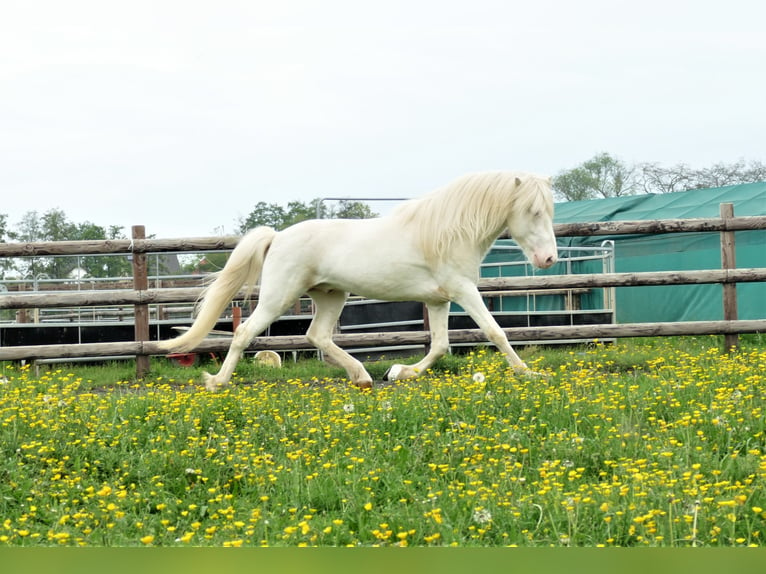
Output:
x=340 y=237
x=370 y=257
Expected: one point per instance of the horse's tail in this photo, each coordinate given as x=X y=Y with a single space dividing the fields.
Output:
x=243 y=268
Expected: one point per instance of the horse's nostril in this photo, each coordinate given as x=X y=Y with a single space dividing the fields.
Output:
x=550 y=260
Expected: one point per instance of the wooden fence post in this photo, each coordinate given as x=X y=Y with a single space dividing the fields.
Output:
x=236 y=317
x=728 y=261
x=141 y=283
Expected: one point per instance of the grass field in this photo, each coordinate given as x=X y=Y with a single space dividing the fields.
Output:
x=652 y=442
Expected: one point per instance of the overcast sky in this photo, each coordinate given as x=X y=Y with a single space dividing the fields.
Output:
x=181 y=115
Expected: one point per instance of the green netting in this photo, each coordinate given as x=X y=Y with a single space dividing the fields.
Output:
x=538 y=302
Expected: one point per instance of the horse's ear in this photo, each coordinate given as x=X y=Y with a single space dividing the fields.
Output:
x=518 y=181
x=549 y=179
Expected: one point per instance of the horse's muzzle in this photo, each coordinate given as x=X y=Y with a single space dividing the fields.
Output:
x=544 y=261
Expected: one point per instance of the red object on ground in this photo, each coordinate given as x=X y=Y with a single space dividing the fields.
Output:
x=183 y=359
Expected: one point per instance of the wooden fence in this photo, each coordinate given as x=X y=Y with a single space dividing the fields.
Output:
x=141 y=296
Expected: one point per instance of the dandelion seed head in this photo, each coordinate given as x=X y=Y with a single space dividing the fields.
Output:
x=482 y=516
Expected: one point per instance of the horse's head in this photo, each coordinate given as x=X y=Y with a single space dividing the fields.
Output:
x=531 y=221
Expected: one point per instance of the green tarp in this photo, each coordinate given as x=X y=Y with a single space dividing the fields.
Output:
x=677 y=251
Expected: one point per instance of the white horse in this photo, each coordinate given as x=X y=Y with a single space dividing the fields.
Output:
x=428 y=250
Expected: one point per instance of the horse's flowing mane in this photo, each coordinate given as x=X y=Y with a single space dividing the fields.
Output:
x=474 y=208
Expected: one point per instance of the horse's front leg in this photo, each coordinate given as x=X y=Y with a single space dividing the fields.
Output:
x=438 y=315
x=471 y=301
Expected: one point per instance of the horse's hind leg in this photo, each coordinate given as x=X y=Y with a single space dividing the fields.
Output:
x=438 y=315
x=328 y=308
x=266 y=312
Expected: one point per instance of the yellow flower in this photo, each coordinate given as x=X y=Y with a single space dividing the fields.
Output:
x=368 y=506
x=147 y=539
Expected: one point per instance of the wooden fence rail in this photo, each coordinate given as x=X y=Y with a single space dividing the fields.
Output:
x=141 y=296
x=642 y=227
x=194 y=244
x=299 y=342
x=117 y=246
x=191 y=294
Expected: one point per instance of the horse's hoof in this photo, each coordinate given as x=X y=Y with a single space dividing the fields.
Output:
x=392 y=374
x=210 y=383
x=532 y=374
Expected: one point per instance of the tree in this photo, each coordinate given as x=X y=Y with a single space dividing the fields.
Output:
x=573 y=185
x=54 y=225
x=57 y=227
x=601 y=176
x=605 y=176
x=657 y=179
x=102 y=265
x=721 y=174
x=207 y=263
x=271 y=214
x=278 y=217
x=348 y=209
x=28 y=230
x=298 y=211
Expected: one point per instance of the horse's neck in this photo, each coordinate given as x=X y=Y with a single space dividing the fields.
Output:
x=488 y=237
x=467 y=254
x=484 y=246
